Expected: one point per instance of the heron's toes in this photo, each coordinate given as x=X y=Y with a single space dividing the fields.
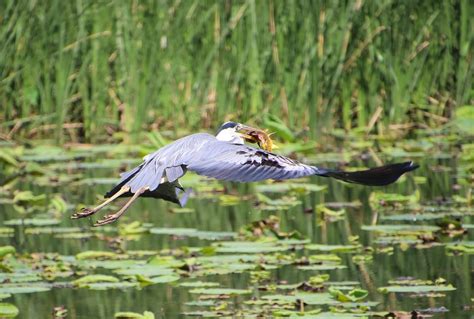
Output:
x=106 y=220
x=83 y=213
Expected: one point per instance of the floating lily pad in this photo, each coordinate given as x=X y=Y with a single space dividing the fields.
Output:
x=288 y=187
x=145 y=270
x=6 y=250
x=24 y=288
x=28 y=198
x=322 y=267
x=248 y=247
x=401 y=229
x=353 y=295
x=52 y=230
x=210 y=314
x=134 y=315
x=6 y=231
x=202 y=303
x=156 y=280
x=4 y=296
x=32 y=222
x=90 y=279
x=191 y=232
x=110 y=285
x=220 y=291
x=8 y=310
x=333 y=248
x=199 y=284
x=94 y=254
x=110 y=264
x=19 y=277
x=416 y=289
x=466 y=247
x=296 y=314
x=423 y=216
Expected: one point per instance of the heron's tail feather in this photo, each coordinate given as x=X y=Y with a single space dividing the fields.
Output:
x=378 y=176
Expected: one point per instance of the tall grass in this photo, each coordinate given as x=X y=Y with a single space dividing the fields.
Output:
x=86 y=69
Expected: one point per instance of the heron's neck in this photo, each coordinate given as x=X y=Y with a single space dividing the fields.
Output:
x=229 y=136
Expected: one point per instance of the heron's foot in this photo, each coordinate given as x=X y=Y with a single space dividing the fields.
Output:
x=83 y=213
x=108 y=219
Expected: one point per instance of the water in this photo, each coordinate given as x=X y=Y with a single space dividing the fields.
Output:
x=168 y=300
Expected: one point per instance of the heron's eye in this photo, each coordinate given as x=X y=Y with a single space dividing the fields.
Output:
x=238 y=127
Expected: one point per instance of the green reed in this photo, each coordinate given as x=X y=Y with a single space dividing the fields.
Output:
x=83 y=70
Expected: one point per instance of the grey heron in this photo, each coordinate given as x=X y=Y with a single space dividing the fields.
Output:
x=224 y=157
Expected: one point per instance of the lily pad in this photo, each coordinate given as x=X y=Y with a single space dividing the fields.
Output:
x=89 y=279
x=145 y=270
x=94 y=254
x=6 y=250
x=24 y=288
x=351 y=296
x=134 y=315
x=32 y=222
x=322 y=267
x=248 y=247
x=110 y=285
x=466 y=247
x=334 y=248
x=401 y=229
x=8 y=310
x=220 y=291
x=289 y=187
x=416 y=289
x=191 y=232
x=199 y=284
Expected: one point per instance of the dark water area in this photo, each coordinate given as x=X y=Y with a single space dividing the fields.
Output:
x=210 y=210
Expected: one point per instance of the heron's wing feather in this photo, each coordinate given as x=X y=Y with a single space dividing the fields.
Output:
x=174 y=172
x=204 y=154
x=243 y=163
x=167 y=162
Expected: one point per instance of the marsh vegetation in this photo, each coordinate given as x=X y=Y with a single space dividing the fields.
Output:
x=87 y=88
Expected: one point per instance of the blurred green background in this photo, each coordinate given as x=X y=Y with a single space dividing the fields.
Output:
x=86 y=70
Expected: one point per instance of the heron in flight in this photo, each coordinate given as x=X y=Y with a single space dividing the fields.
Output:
x=224 y=157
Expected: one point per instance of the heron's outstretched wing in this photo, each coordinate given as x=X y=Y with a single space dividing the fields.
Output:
x=204 y=154
x=242 y=163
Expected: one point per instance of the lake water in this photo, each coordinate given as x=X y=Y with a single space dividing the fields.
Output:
x=369 y=258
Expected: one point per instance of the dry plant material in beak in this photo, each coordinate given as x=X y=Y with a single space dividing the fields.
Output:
x=262 y=138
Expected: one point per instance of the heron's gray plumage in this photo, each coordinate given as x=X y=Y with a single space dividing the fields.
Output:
x=225 y=157
x=204 y=154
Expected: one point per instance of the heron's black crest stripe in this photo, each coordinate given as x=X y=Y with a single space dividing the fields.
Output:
x=227 y=125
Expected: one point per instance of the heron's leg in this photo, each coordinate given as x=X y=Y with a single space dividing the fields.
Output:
x=113 y=217
x=90 y=211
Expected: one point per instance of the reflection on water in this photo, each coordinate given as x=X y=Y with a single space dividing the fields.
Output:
x=167 y=300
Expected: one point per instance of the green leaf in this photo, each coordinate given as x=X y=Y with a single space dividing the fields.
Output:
x=94 y=254
x=334 y=248
x=199 y=284
x=90 y=279
x=134 y=315
x=464 y=119
x=24 y=288
x=32 y=222
x=248 y=247
x=6 y=250
x=8 y=310
x=352 y=296
x=416 y=289
x=27 y=198
x=220 y=291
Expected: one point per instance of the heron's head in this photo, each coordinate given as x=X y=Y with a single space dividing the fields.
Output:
x=233 y=132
